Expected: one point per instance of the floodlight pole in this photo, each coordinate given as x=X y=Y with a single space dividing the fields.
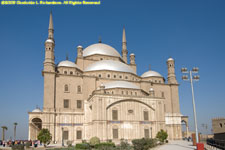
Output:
x=193 y=102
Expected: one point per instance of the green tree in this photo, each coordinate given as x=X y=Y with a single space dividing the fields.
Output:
x=15 y=124
x=162 y=135
x=44 y=136
x=94 y=140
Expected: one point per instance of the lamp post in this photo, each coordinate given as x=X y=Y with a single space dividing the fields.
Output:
x=195 y=78
x=62 y=138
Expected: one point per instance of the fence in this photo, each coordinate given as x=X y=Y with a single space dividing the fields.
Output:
x=216 y=143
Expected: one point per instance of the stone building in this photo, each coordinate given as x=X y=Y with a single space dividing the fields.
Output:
x=218 y=127
x=100 y=94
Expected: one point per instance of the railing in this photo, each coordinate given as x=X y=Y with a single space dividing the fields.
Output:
x=216 y=143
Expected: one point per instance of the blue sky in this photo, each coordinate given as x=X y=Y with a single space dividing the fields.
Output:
x=192 y=32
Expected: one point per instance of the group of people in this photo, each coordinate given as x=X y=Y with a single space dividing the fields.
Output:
x=9 y=143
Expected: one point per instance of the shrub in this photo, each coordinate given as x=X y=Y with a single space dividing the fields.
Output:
x=94 y=140
x=162 y=135
x=143 y=144
x=44 y=136
x=84 y=141
x=69 y=143
x=83 y=146
x=124 y=145
x=105 y=146
x=27 y=145
x=18 y=147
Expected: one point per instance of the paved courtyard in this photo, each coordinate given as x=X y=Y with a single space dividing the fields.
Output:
x=176 y=145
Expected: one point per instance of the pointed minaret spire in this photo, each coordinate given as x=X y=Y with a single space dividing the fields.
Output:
x=124 y=46
x=99 y=39
x=67 y=57
x=124 y=39
x=50 y=28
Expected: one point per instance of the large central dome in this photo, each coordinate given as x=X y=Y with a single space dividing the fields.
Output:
x=101 y=49
x=110 y=65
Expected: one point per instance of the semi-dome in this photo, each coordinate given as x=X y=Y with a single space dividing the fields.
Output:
x=37 y=110
x=67 y=63
x=120 y=84
x=151 y=73
x=100 y=48
x=110 y=65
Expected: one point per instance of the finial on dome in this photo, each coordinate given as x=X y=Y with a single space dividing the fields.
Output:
x=99 y=39
x=149 y=67
x=67 y=58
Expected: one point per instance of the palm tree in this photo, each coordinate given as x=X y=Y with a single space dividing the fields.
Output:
x=3 y=132
x=15 y=124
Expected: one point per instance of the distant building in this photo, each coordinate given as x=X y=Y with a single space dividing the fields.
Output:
x=218 y=126
x=100 y=94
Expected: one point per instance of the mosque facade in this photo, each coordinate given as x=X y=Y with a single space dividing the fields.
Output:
x=100 y=94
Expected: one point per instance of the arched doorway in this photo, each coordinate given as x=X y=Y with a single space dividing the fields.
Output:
x=35 y=127
x=184 y=123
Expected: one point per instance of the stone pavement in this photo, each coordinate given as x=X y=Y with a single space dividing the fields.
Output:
x=176 y=145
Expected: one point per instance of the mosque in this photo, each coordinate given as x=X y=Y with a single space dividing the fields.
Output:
x=100 y=94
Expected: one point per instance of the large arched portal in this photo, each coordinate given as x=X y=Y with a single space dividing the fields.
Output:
x=35 y=126
x=130 y=119
x=184 y=123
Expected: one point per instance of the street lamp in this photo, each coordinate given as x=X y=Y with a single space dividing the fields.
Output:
x=195 y=78
x=62 y=138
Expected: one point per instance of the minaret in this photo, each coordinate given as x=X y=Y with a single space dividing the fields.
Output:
x=50 y=28
x=49 y=63
x=124 y=46
x=171 y=71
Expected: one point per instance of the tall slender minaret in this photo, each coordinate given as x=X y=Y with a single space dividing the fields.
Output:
x=49 y=70
x=171 y=71
x=49 y=63
x=124 y=46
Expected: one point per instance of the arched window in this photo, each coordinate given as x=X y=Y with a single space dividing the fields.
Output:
x=79 y=134
x=79 y=104
x=78 y=89
x=66 y=88
x=146 y=132
x=65 y=135
x=114 y=114
x=65 y=72
x=71 y=72
x=145 y=113
x=162 y=94
x=115 y=132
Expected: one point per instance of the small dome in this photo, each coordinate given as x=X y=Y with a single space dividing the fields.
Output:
x=170 y=59
x=79 y=46
x=110 y=65
x=120 y=84
x=37 y=110
x=49 y=41
x=151 y=73
x=102 y=49
x=132 y=54
x=67 y=63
